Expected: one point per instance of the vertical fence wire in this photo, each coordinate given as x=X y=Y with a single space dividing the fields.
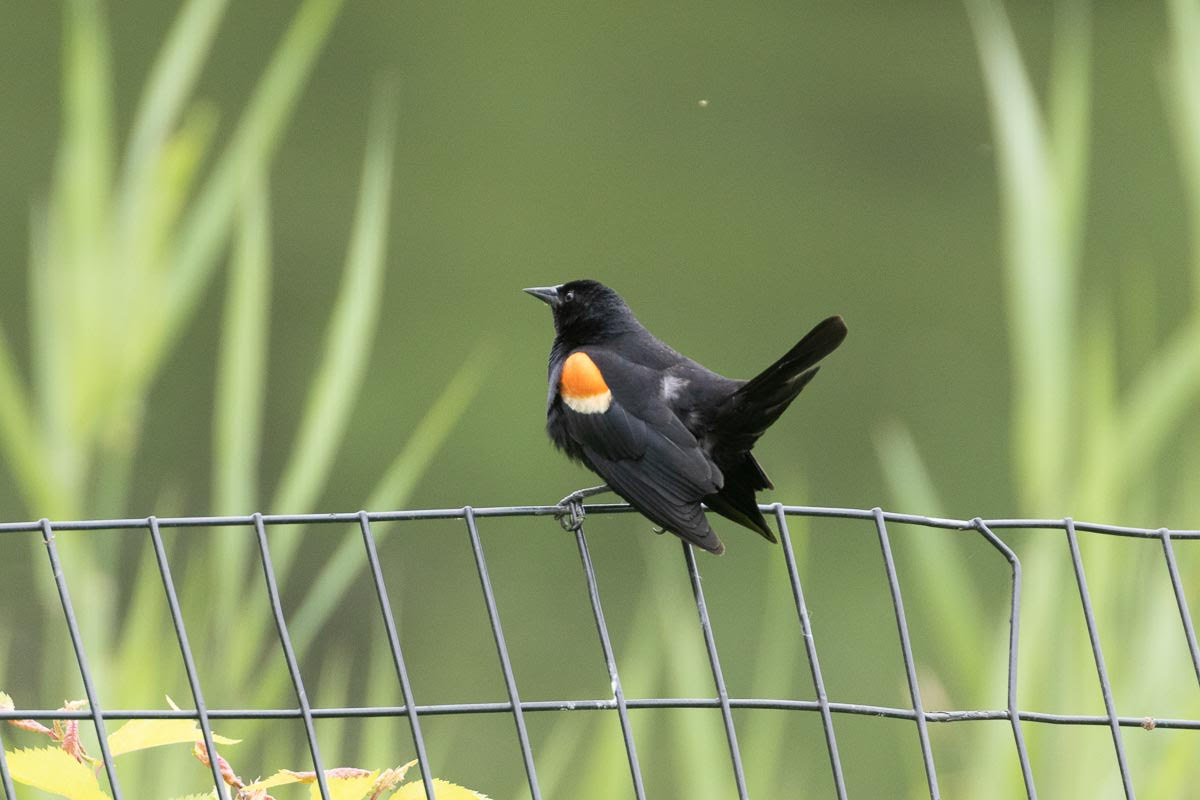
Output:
x=610 y=663
x=810 y=647
x=910 y=668
x=185 y=649
x=1181 y=600
x=710 y=643
x=389 y=624
x=510 y=681
x=1014 y=638
x=1098 y=655
x=289 y=655
x=5 y=778
x=85 y=672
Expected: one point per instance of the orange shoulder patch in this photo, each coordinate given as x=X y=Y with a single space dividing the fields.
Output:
x=581 y=377
x=582 y=386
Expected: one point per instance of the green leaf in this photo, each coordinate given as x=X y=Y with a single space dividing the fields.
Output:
x=53 y=770
x=444 y=789
x=345 y=783
x=349 y=788
x=140 y=734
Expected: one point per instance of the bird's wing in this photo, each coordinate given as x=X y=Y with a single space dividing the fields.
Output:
x=644 y=452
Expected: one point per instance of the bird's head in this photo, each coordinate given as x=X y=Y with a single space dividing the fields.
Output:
x=586 y=311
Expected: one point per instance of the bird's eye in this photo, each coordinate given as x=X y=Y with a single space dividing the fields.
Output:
x=569 y=296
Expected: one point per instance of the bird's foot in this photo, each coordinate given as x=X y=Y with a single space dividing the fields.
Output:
x=571 y=516
x=658 y=530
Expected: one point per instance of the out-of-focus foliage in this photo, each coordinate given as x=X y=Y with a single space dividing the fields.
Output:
x=1083 y=441
x=228 y=307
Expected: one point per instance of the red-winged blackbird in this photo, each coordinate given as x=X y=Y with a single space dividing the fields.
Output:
x=665 y=432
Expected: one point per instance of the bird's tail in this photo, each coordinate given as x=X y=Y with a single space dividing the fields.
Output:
x=758 y=403
x=750 y=410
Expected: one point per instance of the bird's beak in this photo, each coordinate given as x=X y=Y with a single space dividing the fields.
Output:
x=547 y=294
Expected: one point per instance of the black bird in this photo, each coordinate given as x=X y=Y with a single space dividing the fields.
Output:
x=665 y=432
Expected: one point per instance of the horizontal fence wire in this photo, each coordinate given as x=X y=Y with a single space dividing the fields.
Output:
x=828 y=709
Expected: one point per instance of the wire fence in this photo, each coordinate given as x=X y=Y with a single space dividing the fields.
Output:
x=619 y=703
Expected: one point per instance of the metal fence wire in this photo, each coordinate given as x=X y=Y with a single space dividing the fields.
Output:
x=619 y=703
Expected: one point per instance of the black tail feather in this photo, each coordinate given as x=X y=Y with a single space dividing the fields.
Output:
x=736 y=500
x=758 y=403
x=750 y=411
x=816 y=344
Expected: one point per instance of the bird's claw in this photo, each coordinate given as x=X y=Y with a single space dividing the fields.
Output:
x=572 y=513
x=571 y=517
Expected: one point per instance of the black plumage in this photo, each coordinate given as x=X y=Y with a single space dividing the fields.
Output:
x=663 y=431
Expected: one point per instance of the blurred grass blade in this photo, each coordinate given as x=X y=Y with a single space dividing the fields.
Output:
x=910 y=487
x=380 y=686
x=19 y=437
x=700 y=739
x=68 y=286
x=351 y=326
x=338 y=675
x=141 y=633
x=83 y=179
x=909 y=483
x=557 y=758
x=1070 y=114
x=141 y=242
x=393 y=491
x=240 y=388
x=1161 y=398
x=1041 y=227
x=347 y=562
x=167 y=89
x=242 y=362
x=156 y=176
x=348 y=337
x=50 y=362
x=398 y=482
x=1099 y=492
x=206 y=226
x=1183 y=104
x=603 y=760
x=764 y=737
x=81 y=201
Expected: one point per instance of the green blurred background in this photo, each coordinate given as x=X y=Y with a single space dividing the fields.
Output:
x=1012 y=246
